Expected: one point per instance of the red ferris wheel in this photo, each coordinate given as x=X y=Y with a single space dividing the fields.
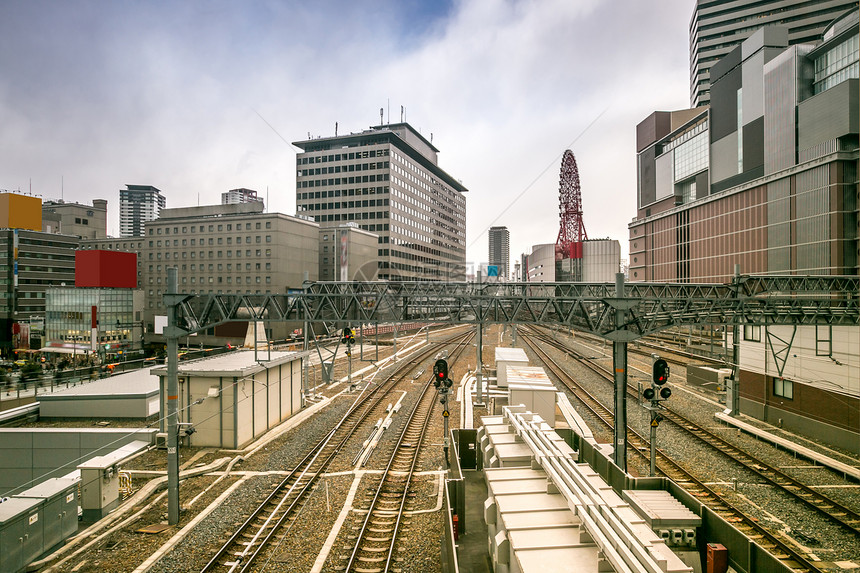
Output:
x=571 y=230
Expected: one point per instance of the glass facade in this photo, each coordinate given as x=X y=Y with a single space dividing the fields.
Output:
x=691 y=156
x=68 y=319
x=837 y=64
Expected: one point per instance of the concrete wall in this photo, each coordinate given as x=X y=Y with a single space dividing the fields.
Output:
x=59 y=406
x=31 y=455
x=601 y=260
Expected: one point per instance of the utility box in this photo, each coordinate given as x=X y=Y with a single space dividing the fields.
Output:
x=20 y=532
x=60 y=510
x=718 y=558
x=99 y=486
x=508 y=357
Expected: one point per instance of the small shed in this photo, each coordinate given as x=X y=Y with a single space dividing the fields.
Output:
x=232 y=399
x=128 y=395
x=531 y=387
x=508 y=357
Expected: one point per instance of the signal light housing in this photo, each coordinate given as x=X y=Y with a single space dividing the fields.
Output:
x=440 y=373
x=661 y=372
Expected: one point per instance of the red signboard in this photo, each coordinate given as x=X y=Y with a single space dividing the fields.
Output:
x=105 y=269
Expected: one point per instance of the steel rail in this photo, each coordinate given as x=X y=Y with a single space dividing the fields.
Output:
x=640 y=445
x=427 y=410
x=293 y=489
x=825 y=506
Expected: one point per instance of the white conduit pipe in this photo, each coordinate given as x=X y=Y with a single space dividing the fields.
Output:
x=619 y=544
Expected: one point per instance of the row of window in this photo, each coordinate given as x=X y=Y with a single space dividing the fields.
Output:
x=209 y=228
x=211 y=241
x=342 y=156
x=342 y=180
x=342 y=193
x=351 y=168
x=220 y=267
x=220 y=254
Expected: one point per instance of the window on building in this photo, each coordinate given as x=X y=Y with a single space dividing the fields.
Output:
x=752 y=333
x=823 y=340
x=783 y=388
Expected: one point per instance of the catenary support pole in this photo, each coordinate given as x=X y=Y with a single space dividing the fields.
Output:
x=619 y=358
x=479 y=374
x=305 y=357
x=172 y=337
x=736 y=350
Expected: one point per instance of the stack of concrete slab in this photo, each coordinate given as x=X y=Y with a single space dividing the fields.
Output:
x=508 y=357
x=544 y=512
x=531 y=387
x=530 y=525
x=501 y=448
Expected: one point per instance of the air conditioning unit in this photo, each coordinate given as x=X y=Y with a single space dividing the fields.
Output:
x=161 y=440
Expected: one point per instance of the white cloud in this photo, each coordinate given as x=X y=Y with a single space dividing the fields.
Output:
x=169 y=95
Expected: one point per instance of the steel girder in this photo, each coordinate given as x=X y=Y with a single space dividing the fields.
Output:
x=756 y=300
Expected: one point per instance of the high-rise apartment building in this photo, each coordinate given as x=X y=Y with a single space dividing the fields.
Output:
x=388 y=181
x=137 y=205
x=766 y=178
x=717 y=27
x=84 y=221
x=500 y=250
x=239 y=196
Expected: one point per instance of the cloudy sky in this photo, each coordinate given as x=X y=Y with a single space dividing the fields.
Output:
x=199 y=97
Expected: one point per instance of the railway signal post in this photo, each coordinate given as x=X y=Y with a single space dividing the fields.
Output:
x=348 y=338
x=443 y=384
x=656 y=393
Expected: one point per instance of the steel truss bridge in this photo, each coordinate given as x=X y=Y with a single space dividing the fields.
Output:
x=644 y=308
x=620 y=312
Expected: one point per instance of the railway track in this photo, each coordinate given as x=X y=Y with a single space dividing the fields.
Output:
x=640 y=446
x=823 y=505
x=252 y=537
x=384 y=505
